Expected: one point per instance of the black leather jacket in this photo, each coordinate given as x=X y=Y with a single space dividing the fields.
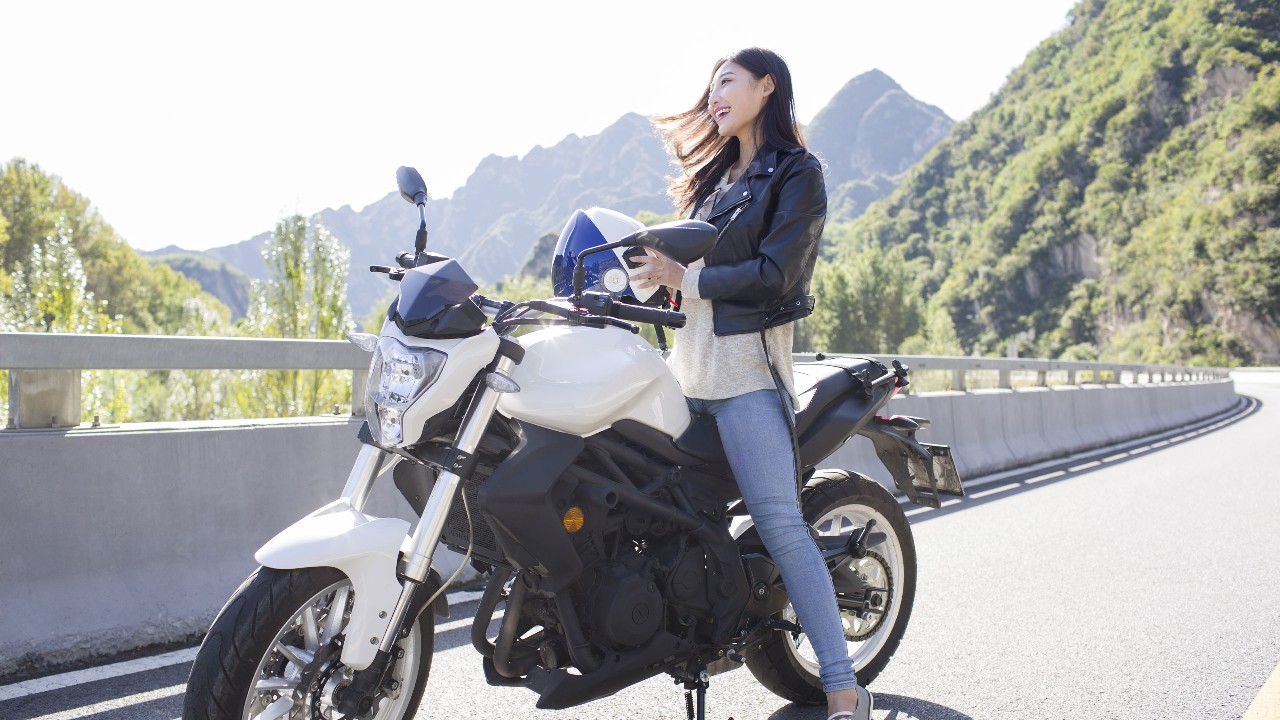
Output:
x=770 y=220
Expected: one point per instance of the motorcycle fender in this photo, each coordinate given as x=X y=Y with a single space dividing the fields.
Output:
x=364 y=548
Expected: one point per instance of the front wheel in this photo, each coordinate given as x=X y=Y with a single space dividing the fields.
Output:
x=274 y=652
x=836 y=502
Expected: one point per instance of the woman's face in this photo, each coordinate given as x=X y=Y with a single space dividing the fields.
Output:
x=736 y=99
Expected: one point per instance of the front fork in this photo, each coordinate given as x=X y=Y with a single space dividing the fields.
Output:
x=422 y=544
x=356 y=698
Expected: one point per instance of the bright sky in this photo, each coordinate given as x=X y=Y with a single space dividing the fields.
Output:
x=200 y=124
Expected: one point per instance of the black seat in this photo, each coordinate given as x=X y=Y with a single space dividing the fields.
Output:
x=818 y=384
x=702 y=439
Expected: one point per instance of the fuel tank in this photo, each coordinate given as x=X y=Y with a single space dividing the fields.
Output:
x=582 y=380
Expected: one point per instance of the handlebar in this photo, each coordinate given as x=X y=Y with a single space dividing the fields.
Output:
x=602 y=304
x=487 y=304
x=594 y=310
x=641 y=314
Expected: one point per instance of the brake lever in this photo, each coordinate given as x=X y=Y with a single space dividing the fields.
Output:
x=394 y=274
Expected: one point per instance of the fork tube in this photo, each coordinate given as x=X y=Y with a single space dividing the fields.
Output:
x=360 y=481
x=427 y=534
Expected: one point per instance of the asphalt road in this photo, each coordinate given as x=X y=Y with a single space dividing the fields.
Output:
x=1137 y=584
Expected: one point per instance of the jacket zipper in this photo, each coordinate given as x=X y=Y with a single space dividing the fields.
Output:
x=742 y=205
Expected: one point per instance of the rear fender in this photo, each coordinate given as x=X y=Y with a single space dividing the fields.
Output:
x=922 y=471
x=364 y=548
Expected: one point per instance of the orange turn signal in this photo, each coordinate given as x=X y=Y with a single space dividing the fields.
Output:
x=572 y=519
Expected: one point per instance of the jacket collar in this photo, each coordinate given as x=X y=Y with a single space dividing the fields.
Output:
x=767 y=159
x=765 y=163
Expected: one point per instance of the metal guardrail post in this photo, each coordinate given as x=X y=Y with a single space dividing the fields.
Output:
x=359 y=379
x=957 y=380
x=14 y=396
x=1042 y=378
x=1006 y=379
x=44 y=398
x=1071 y=377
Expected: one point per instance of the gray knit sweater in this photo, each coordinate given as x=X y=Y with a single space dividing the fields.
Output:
x=711 y=367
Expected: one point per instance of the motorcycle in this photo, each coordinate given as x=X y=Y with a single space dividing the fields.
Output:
x=551 y=446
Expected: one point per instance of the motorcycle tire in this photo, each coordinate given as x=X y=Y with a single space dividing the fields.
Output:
x=835 y=502
x=277 y=632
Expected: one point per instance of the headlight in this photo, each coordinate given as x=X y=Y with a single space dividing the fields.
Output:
x=398 y=376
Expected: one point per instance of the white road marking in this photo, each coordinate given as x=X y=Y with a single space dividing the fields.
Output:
x=88 y=675
x=115 y=704
x=1266 y=706
x=993 y=491
x=1048 y=476
x=128 y=667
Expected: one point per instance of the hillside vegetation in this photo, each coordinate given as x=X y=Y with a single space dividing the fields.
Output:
x=220 y=279
x=1118 y=198
x=64 y=269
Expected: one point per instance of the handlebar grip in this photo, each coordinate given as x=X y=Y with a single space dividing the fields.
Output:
x=637 y=313
x=485 y=302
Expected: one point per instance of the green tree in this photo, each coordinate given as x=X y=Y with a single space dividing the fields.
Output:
x=868 y=300
x=50 y=293
x=937 y=334
x=306 y=297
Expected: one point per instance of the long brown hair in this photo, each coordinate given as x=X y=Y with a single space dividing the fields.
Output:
x=695 y=141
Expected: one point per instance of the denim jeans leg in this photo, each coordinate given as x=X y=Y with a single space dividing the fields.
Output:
x=757 y=442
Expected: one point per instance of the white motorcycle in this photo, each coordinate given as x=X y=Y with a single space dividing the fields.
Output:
x=566 y=464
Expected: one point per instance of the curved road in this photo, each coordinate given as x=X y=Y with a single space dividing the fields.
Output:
x=1137 y=583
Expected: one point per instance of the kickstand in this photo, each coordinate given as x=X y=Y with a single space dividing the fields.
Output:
x=701 y=687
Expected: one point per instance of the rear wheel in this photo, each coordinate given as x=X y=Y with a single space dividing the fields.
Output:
x=275 y=652
x=836 y=503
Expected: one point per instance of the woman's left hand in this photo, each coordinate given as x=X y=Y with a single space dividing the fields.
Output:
x=657 y=269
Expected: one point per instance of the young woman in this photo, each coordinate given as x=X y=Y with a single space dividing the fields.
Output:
x=747 y=172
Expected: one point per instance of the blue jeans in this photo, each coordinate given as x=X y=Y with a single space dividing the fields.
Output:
x=757 y=442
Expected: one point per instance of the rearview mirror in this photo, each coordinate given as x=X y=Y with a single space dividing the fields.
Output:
x=412 y=187
x=681 y=240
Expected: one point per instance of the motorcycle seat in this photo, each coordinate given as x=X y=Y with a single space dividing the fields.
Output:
x=819 y=384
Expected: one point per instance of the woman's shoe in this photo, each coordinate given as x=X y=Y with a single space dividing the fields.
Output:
x=862 y=712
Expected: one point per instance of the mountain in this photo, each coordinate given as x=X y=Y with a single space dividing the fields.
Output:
x=869 y=134
x=218 y=278
x=1119 y=197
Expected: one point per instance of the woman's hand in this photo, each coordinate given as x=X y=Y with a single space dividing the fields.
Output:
x=657 y=269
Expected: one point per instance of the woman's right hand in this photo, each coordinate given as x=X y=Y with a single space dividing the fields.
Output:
x=657 y=269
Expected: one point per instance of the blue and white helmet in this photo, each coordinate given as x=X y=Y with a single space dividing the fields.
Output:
x=607 y=272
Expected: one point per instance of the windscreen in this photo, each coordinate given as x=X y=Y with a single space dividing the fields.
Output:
x=426 y=291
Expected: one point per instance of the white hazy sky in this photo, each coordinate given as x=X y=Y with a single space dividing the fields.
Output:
x=200 y=124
